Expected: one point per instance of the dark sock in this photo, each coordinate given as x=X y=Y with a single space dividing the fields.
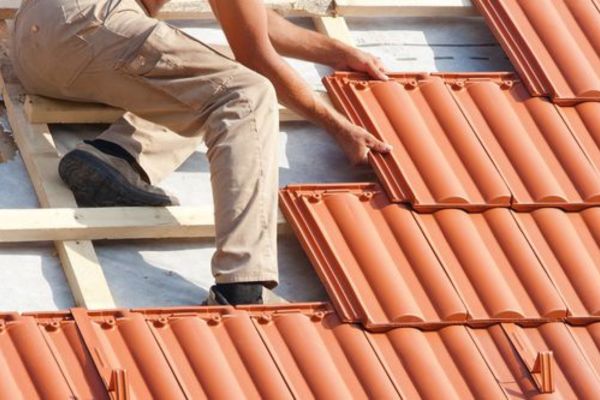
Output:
x=113 y=149
x=239 y=293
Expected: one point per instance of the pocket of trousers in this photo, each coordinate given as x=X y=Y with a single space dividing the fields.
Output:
x=50 y=51
x=178 y=66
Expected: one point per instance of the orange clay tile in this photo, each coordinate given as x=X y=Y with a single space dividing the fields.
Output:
x=530 y=143
x=45 y=362
x=568 y=245
x=584 y=122
x=288 y=351
x=254 y=352
x=444 y=363
x=321 y=357
x=554 y=358
x=553 y=44
x=492 y=265
x=437 y=159
x=371 y=255
x=470 y=141
x=386 y=266
x=191 y=354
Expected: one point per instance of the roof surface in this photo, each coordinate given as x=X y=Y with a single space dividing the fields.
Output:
x=474 y=272
x=298 y=351
x=554 y=45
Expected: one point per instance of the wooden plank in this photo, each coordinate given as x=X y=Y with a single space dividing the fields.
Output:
x=79 y=260
x=8 y=8
x=334 y=27
x=44 y=110
x=200 y=9
x=404 y=8
x=194 y=9
x=55 y=224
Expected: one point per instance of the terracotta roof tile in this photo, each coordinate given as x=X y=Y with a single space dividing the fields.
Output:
x=386 y=266
x=425 y=365
x=533 y=148
x=560 y=356
x=437 y=160
x=48 y=362
x=472 y=141
x=371 y=255
x=568 y=245
x=321 y=357
x=292 y=351
x=584 y=121
x=492 y=265
x=554 y=45
x=295 y=351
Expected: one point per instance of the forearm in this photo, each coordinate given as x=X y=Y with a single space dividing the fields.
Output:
x=291 y=40
x=297 y=95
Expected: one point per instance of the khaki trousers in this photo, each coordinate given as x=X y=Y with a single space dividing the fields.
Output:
x=177 y=92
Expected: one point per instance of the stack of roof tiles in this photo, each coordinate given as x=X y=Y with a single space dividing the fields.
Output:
x=470 y=270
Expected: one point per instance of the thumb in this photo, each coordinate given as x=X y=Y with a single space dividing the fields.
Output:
x=378 y=145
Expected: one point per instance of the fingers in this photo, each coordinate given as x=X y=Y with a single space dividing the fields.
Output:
x=362 y=159
x=376 y=70
x=378 y=146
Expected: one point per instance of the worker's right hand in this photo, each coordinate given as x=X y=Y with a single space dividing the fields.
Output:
x=356 y=142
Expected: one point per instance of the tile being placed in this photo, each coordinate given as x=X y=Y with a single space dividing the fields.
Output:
x=385 y=266
x=554 y=45
x=470 y=141
x=568 y=245
x=437 y=161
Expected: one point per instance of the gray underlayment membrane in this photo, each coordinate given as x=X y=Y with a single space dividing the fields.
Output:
x=162 y=273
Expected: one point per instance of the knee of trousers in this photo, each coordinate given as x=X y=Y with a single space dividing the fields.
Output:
x=260 y=92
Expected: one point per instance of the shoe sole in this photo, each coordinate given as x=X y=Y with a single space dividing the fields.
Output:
x=97 y=184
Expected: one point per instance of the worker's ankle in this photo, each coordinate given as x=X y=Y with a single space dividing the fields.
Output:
x=239 y=293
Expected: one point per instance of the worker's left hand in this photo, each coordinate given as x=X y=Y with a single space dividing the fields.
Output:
x=353 y=59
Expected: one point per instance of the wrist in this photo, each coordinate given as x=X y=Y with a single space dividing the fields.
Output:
x=337 y=125
x=338 y=54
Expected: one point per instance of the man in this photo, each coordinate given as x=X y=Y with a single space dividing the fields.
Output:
x=177 y=92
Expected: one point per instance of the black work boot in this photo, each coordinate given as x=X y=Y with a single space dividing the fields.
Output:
x=241 y=293
x=98 y=179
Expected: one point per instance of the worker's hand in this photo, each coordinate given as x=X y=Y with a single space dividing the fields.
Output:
x=356 y=143
x=353 y=59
